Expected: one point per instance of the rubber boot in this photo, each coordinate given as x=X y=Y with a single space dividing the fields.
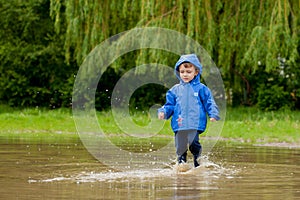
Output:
x=196 y=163
x=182 y=158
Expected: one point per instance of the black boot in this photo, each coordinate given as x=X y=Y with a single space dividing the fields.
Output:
x=196 y=163
x=182 y=158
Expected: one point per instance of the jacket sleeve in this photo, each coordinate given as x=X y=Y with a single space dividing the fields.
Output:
x=168 y=108
x=209 y=103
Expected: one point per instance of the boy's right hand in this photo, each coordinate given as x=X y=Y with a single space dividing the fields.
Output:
x=212 y=119
x=161 y=115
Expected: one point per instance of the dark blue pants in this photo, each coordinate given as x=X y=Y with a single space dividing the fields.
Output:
x=187 y=139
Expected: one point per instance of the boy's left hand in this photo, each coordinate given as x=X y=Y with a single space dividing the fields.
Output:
x=161 y=115
x=212 y=119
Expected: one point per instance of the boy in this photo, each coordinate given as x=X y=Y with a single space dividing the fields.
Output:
x=188 y=103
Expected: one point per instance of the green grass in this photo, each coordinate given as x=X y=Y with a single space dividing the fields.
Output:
x=36 y=120
x=253 y=125
x=244 y=124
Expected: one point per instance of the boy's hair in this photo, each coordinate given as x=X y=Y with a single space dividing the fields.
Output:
x=189 y=65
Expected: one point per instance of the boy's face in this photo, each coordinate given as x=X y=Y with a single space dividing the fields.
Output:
x=187 y=72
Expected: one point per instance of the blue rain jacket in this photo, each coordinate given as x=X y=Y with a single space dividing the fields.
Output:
x=189 y=103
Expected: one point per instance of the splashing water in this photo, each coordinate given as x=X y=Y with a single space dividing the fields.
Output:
x=207 y=169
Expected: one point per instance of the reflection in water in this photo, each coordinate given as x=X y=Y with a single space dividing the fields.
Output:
x=68 y=171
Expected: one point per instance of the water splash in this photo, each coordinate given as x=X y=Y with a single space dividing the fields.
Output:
x=207 y=170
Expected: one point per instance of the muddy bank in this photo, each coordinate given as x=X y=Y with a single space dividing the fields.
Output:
x=259 y=142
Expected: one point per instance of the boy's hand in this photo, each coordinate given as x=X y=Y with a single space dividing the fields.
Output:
x=161 y=115
x=212 y=119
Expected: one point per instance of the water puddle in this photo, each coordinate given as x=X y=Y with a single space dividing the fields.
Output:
x=68 y=171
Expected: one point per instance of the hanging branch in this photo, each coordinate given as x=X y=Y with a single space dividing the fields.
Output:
x=222 y=27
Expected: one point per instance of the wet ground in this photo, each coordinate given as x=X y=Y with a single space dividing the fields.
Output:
x=68 y=171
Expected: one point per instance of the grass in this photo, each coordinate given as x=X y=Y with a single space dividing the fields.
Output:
x=36 y=120
x=243 y=124
x=253 y=125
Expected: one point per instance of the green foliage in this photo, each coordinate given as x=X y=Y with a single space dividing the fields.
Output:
x=278 y=88
x=44 y=41
x=105 y=89
x=273 y=34
x=147 y=96
x=240 y=36
x=273 y=97
x=32 y=68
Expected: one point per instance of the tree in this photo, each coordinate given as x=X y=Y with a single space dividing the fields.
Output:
x=32 y=68
x=244 y=38
x=241 y=36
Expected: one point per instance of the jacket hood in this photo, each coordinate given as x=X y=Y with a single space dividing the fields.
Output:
x=190 y=58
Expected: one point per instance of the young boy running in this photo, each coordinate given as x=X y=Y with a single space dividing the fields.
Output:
x=189 y=102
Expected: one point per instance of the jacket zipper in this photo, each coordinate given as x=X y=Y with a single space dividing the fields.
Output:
x=187 y=105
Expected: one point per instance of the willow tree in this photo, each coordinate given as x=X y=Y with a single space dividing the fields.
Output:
x=253 y=34
x=241 y=36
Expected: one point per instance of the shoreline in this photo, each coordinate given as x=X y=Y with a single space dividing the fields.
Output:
x=259 y=142
x=29 y=134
